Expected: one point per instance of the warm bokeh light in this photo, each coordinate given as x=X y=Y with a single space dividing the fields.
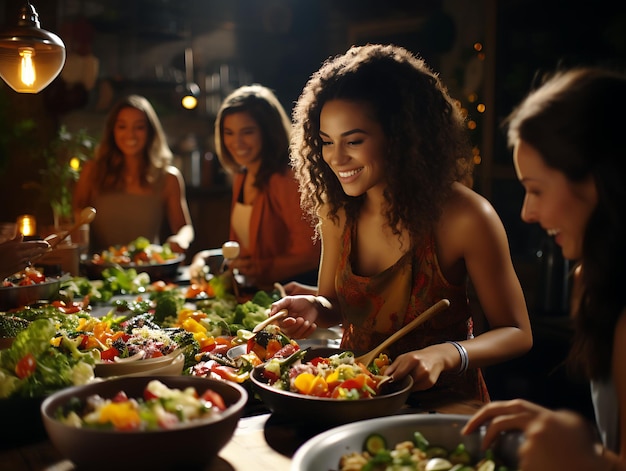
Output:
x=75 y=163
x=477 y=159
x=472 y=97
x=189 y=102
x=481 y=56
x=478 y=46
x=26 y=225
x=471 y=124
x=481 y=107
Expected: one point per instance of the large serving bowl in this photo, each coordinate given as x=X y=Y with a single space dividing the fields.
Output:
x=12 y=297
x=324 y=451
x=322 y=410
x=192 y=445
x=157 y=271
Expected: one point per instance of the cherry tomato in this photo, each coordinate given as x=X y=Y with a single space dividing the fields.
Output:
x=26 y=366
x=120 y=397
x=109 y=354
x=65 y=308
x=214 y=398
x=35 y=275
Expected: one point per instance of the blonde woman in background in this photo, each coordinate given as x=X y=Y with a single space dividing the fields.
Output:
x=131 y=182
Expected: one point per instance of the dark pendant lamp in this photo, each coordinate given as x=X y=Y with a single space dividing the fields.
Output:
x=30 y=57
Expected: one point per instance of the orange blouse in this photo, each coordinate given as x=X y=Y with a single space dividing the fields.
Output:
x=278 y=229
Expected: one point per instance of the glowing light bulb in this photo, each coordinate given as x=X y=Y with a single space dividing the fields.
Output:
x=189 y=102
x=27 y=68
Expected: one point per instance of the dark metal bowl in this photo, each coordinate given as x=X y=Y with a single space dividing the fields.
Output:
x=187 y=447
x=321 y=410
x=12 y=297
x=323 y=451
x=156 y=271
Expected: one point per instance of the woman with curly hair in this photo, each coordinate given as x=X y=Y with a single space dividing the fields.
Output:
x=380 y=150
x=132 y=184
x=568 y=153
x=252 y=143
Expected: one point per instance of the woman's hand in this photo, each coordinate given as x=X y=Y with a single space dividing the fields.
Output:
x=424 y=366
x=293 y=288
x=249 y=268
x=303 y=312
x=552 y=440
x=15 y=254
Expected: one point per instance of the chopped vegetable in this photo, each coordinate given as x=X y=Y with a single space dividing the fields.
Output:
x=374 y=443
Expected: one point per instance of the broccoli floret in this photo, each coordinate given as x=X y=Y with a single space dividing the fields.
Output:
x=10 y=325
x=264 y=299
x=168 y=304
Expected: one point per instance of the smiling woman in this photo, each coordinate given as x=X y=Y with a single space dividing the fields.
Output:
x=252 y=142
x=131 y=183
x=381 y=152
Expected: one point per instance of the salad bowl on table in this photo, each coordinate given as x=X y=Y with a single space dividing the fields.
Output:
x=12 y=297
x=329 y=411
x=167 y=270
x=190 y=445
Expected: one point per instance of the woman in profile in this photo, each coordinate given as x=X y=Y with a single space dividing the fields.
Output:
x=131 y=182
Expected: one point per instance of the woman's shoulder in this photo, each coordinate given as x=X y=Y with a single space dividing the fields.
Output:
x=173 y=170
x=286 y=175
x=465 y=202
x=466 y=212
x=282 y=183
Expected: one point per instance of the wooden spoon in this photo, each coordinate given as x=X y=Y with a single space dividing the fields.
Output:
x=261 y=325
x=86 y=216
x=370 y=356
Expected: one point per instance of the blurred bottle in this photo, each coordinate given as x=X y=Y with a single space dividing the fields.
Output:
x=554 y=280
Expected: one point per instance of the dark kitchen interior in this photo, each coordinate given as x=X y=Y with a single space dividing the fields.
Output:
x=140 y=45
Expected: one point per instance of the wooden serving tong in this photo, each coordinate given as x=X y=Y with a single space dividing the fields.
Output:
x=86 y=216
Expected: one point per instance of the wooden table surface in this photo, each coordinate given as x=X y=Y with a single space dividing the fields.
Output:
x=261 y=442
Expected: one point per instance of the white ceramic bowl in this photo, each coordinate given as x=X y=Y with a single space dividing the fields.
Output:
x=143 y=366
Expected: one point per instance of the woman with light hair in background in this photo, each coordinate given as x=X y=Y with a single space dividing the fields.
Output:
x=131 y=182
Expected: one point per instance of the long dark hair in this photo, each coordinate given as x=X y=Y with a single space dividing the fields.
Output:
x=428 y=142
x=265 y=108
x=576 y=121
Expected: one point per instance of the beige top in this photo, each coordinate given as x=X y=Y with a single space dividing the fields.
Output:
x=122 y=217
x=240 y=220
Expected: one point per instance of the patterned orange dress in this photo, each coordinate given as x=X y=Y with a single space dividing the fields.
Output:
x=375 y=307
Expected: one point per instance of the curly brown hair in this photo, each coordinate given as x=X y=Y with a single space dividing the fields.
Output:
x=265 y=108
x=110 y=160
x=429 y=147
